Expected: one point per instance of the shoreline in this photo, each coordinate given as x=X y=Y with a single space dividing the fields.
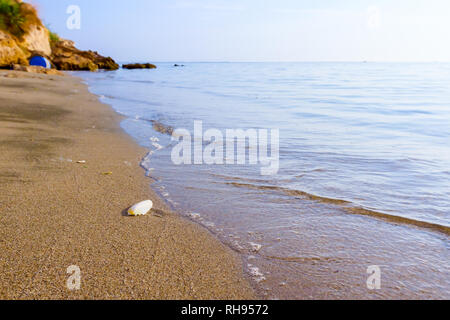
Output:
x=54 y=209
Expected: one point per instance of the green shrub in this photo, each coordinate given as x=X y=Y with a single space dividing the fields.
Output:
x=53 y=36
x=2 y=23
x=11 y=17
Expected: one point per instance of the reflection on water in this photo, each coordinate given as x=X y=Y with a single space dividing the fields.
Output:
x=364 y=169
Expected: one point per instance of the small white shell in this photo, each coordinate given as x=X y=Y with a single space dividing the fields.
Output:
x=141 y=208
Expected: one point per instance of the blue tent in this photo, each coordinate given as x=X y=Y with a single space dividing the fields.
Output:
x=40 y=61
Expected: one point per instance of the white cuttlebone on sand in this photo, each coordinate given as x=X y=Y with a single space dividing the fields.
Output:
x=141 y=208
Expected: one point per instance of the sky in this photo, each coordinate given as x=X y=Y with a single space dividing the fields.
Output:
x=256 y=30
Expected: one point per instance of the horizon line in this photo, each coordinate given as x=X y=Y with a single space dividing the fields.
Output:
x=295 y=61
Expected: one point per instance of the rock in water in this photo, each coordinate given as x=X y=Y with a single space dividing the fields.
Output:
x=139 y=66
x=141 y=208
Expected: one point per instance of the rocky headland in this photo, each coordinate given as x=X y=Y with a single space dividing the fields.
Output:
x=23 y=35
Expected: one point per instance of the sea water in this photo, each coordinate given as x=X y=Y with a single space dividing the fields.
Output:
x=363 y=179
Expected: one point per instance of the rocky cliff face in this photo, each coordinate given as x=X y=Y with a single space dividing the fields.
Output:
x=10 y=52
x=23 y=35
x=37 y=40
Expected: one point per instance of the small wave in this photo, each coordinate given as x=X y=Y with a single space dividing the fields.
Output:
x=399 y=219
x=146 y=163
x=227 y=177
x=198 y=218
x=295 y=193
x=349 y=207
x=137 y=81
x=311 y=260
x=127 y=99
x=157 y=146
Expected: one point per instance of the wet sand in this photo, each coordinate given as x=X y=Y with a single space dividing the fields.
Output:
x=56 y=213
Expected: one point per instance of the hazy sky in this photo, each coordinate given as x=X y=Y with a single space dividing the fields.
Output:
x=258 y=30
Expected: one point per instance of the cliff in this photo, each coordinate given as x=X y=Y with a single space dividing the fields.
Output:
x=23 y=35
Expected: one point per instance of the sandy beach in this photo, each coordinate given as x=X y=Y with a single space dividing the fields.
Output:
x=56 y=212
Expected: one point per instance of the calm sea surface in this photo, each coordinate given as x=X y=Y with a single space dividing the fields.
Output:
x=364 y=174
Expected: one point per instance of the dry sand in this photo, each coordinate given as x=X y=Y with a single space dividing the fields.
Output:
x=56 y=213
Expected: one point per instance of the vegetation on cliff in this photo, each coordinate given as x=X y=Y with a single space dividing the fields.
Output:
x=54 y=37
x=16 y=17
x=11 y=17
